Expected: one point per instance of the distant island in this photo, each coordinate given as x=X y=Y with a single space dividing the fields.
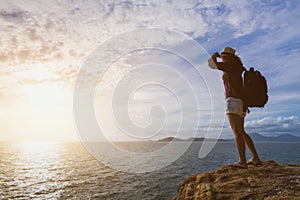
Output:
x=280 y=138
x=255 y=136
x=201 y=139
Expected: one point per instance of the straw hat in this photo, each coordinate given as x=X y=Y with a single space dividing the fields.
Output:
x=227 y=50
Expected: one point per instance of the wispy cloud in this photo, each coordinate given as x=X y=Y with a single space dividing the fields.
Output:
x=275 y=125
x=48 y=41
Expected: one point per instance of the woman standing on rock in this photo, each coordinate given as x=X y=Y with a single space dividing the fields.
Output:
x=232 y=68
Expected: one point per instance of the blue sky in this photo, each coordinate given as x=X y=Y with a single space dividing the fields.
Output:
x=45 y=43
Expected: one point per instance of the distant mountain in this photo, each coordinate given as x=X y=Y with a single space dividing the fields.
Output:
x=174 y=139
x=169 y=139
x=280 y=138
x=255 y=136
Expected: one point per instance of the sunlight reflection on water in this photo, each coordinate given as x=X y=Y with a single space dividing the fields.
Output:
x=33 y=166
x=31 y=169
x=67 y=171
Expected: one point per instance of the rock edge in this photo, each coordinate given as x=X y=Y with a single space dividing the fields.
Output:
x=268 y=181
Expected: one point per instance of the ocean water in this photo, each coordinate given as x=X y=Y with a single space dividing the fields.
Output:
x=68 y=171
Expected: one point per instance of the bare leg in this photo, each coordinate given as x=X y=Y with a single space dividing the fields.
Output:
x=237 y=128
x=250 y=144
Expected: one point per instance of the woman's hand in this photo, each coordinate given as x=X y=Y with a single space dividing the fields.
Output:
x=216 y=55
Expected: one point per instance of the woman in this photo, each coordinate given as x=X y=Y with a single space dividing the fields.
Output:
x=232 y=68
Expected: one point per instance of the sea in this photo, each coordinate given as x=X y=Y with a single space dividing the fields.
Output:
x=68 y=171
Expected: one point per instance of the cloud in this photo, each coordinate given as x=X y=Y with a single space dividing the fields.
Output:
x=274 y=125
x=14 y=15
x=82 y=24
x=61 y=33
x=18 y=54
x=281 y=97
x=46 y=41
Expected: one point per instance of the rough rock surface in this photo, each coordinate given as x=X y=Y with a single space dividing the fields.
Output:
x=270 y=181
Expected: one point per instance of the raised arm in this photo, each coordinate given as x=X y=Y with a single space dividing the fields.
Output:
x=214 y=64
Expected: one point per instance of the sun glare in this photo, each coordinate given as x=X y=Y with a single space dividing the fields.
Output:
x=43 y=97
x=46 y=114
x=36 y=147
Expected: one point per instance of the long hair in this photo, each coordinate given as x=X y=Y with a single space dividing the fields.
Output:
x=236 y=60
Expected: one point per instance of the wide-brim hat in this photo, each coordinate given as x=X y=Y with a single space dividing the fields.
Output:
x=228 y=51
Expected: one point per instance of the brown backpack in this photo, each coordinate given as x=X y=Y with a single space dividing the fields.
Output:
x=256 y=89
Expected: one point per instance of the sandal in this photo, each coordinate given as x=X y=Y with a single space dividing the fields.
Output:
x=239 y=165
x=255 y=163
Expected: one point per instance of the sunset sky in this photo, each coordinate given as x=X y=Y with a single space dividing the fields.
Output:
x=44 y=44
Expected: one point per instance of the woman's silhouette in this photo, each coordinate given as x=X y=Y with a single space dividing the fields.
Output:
x=232 y=68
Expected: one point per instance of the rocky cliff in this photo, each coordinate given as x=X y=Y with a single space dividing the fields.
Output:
x=270 y=181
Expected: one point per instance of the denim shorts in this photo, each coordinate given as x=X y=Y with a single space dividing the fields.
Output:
x=235 y=106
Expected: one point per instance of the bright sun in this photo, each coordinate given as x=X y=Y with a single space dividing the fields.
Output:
x=44 y=97
x=45 y=115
